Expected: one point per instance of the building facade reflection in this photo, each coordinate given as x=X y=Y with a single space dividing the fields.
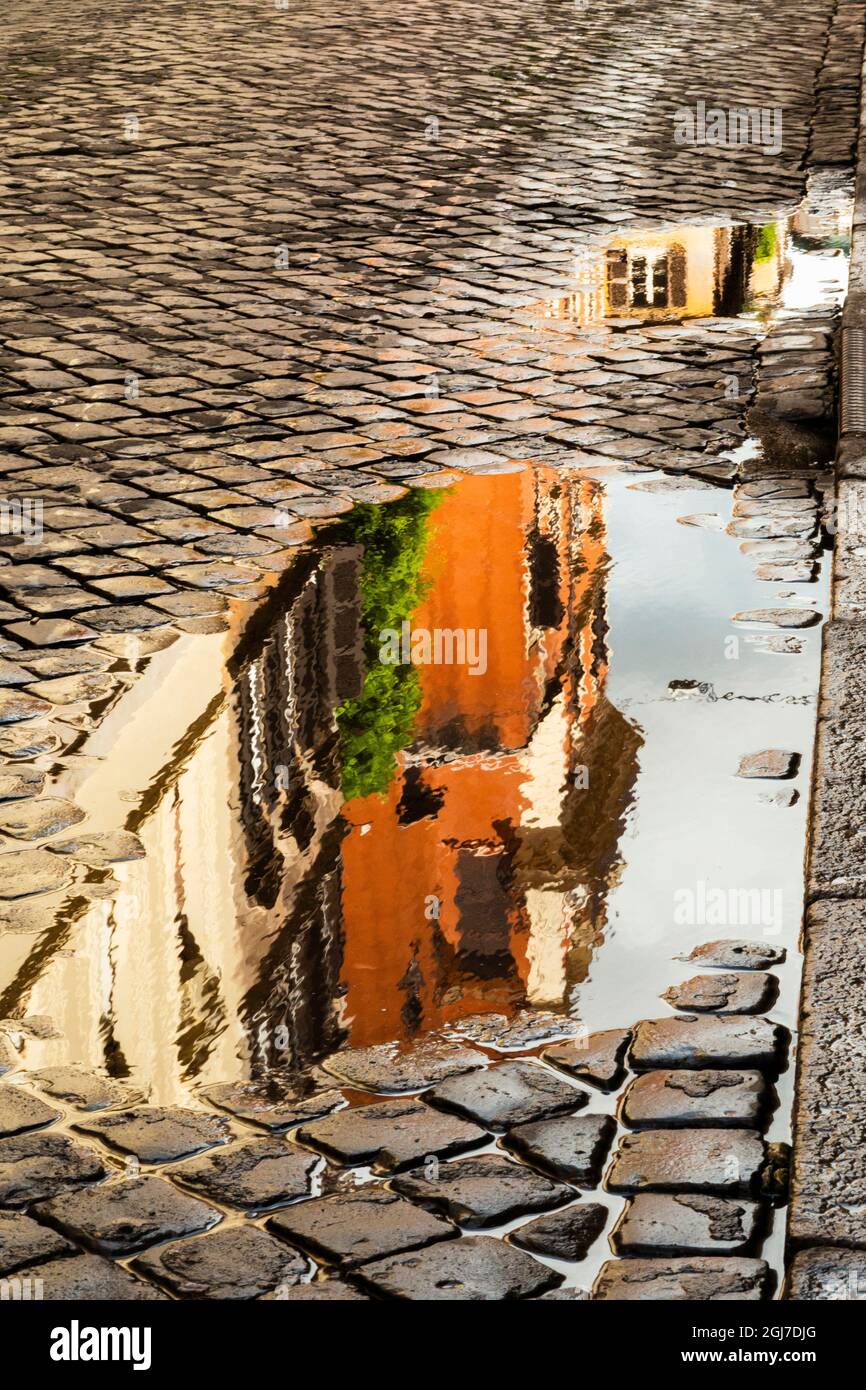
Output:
x=273 y=918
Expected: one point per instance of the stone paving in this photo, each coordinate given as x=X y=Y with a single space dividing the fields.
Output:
x=228 y=319
x=234 y=306
x=400 y=1196
x=252 y=282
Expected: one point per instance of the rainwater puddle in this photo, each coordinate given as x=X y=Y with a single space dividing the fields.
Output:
x=330 y=861
x=475 y=753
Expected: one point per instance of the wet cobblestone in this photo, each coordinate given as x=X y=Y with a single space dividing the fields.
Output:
x=235 y=311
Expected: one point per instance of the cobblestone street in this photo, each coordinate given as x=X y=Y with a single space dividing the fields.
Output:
x=267 y=269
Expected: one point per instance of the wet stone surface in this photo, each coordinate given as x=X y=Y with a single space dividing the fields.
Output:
x=688 y=1160
x=236 y=1262
x=596 y=1059
x=571 y=1147
x=724 y=994
x=778 y=617
x=117 y=1218
x=353 y=1227
x=24 y=1242
x=773 y=762
x=84 y=1090
x=735 y=954
x=694 y=1224
x=480 y=1191
x=831 y=1274
x=185 y=410
x=390 y=1134
x=89 y=1278
x=37 y=820
x=527 y=1029
x=477 y=1269
x=730 y=1041
x=385 y=1068
x=28 y=871
x=682 y=1099
x=21 y=782
x=253 y=1176
x=563 y=1235
x=35 y=1167
x=710 y=1279
x=509 y=1094
x=271 y=1107
x=157 y=1135
x=118 y=847
x=20 y=1111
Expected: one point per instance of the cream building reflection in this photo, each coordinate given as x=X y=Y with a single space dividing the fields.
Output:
x=682 y=272
x=270 y=920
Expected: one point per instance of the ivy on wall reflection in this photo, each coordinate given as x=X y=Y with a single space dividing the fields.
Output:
x=374 y=726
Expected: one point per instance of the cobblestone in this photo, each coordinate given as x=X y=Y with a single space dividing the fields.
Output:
x=675 y=1099
x=656 y=1224
x=477 y=1269
x=157 y=1135
x=596 y=1059
x=83 y=1089
x=737 y=955
x=275 y=1107
x=118 y=1218
x=563 y=1235
x=390 y=1134
x=730 y=1041
x=687 y=1160
x=724 y=994
x=35 y=1167
x=235 y=310
x=20 y=1111
x=510 y=1094
x=486 y=1190
x=386 y=1068
x=88 y=1278
x=572 y=1147
x=705 y=1279
x=253 y=1176
x=24 y=1242
x=236 y=1262
x=353 y=1227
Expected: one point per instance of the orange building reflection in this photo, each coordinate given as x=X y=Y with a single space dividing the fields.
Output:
x=465 y=887
x=270 y=920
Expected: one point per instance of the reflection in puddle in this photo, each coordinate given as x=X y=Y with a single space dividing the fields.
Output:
x=477 y=747
x=339 y=849
x=702 y=271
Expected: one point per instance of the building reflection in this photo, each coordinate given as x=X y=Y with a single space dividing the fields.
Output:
x=478 y=880
x=272 y=918
x=682 y=272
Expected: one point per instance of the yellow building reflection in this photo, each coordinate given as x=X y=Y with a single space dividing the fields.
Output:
x=678 y=273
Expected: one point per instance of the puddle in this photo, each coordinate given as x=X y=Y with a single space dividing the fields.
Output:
x=366 y=861
x=475 y=753
x=326 y=867
x=695 y=272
